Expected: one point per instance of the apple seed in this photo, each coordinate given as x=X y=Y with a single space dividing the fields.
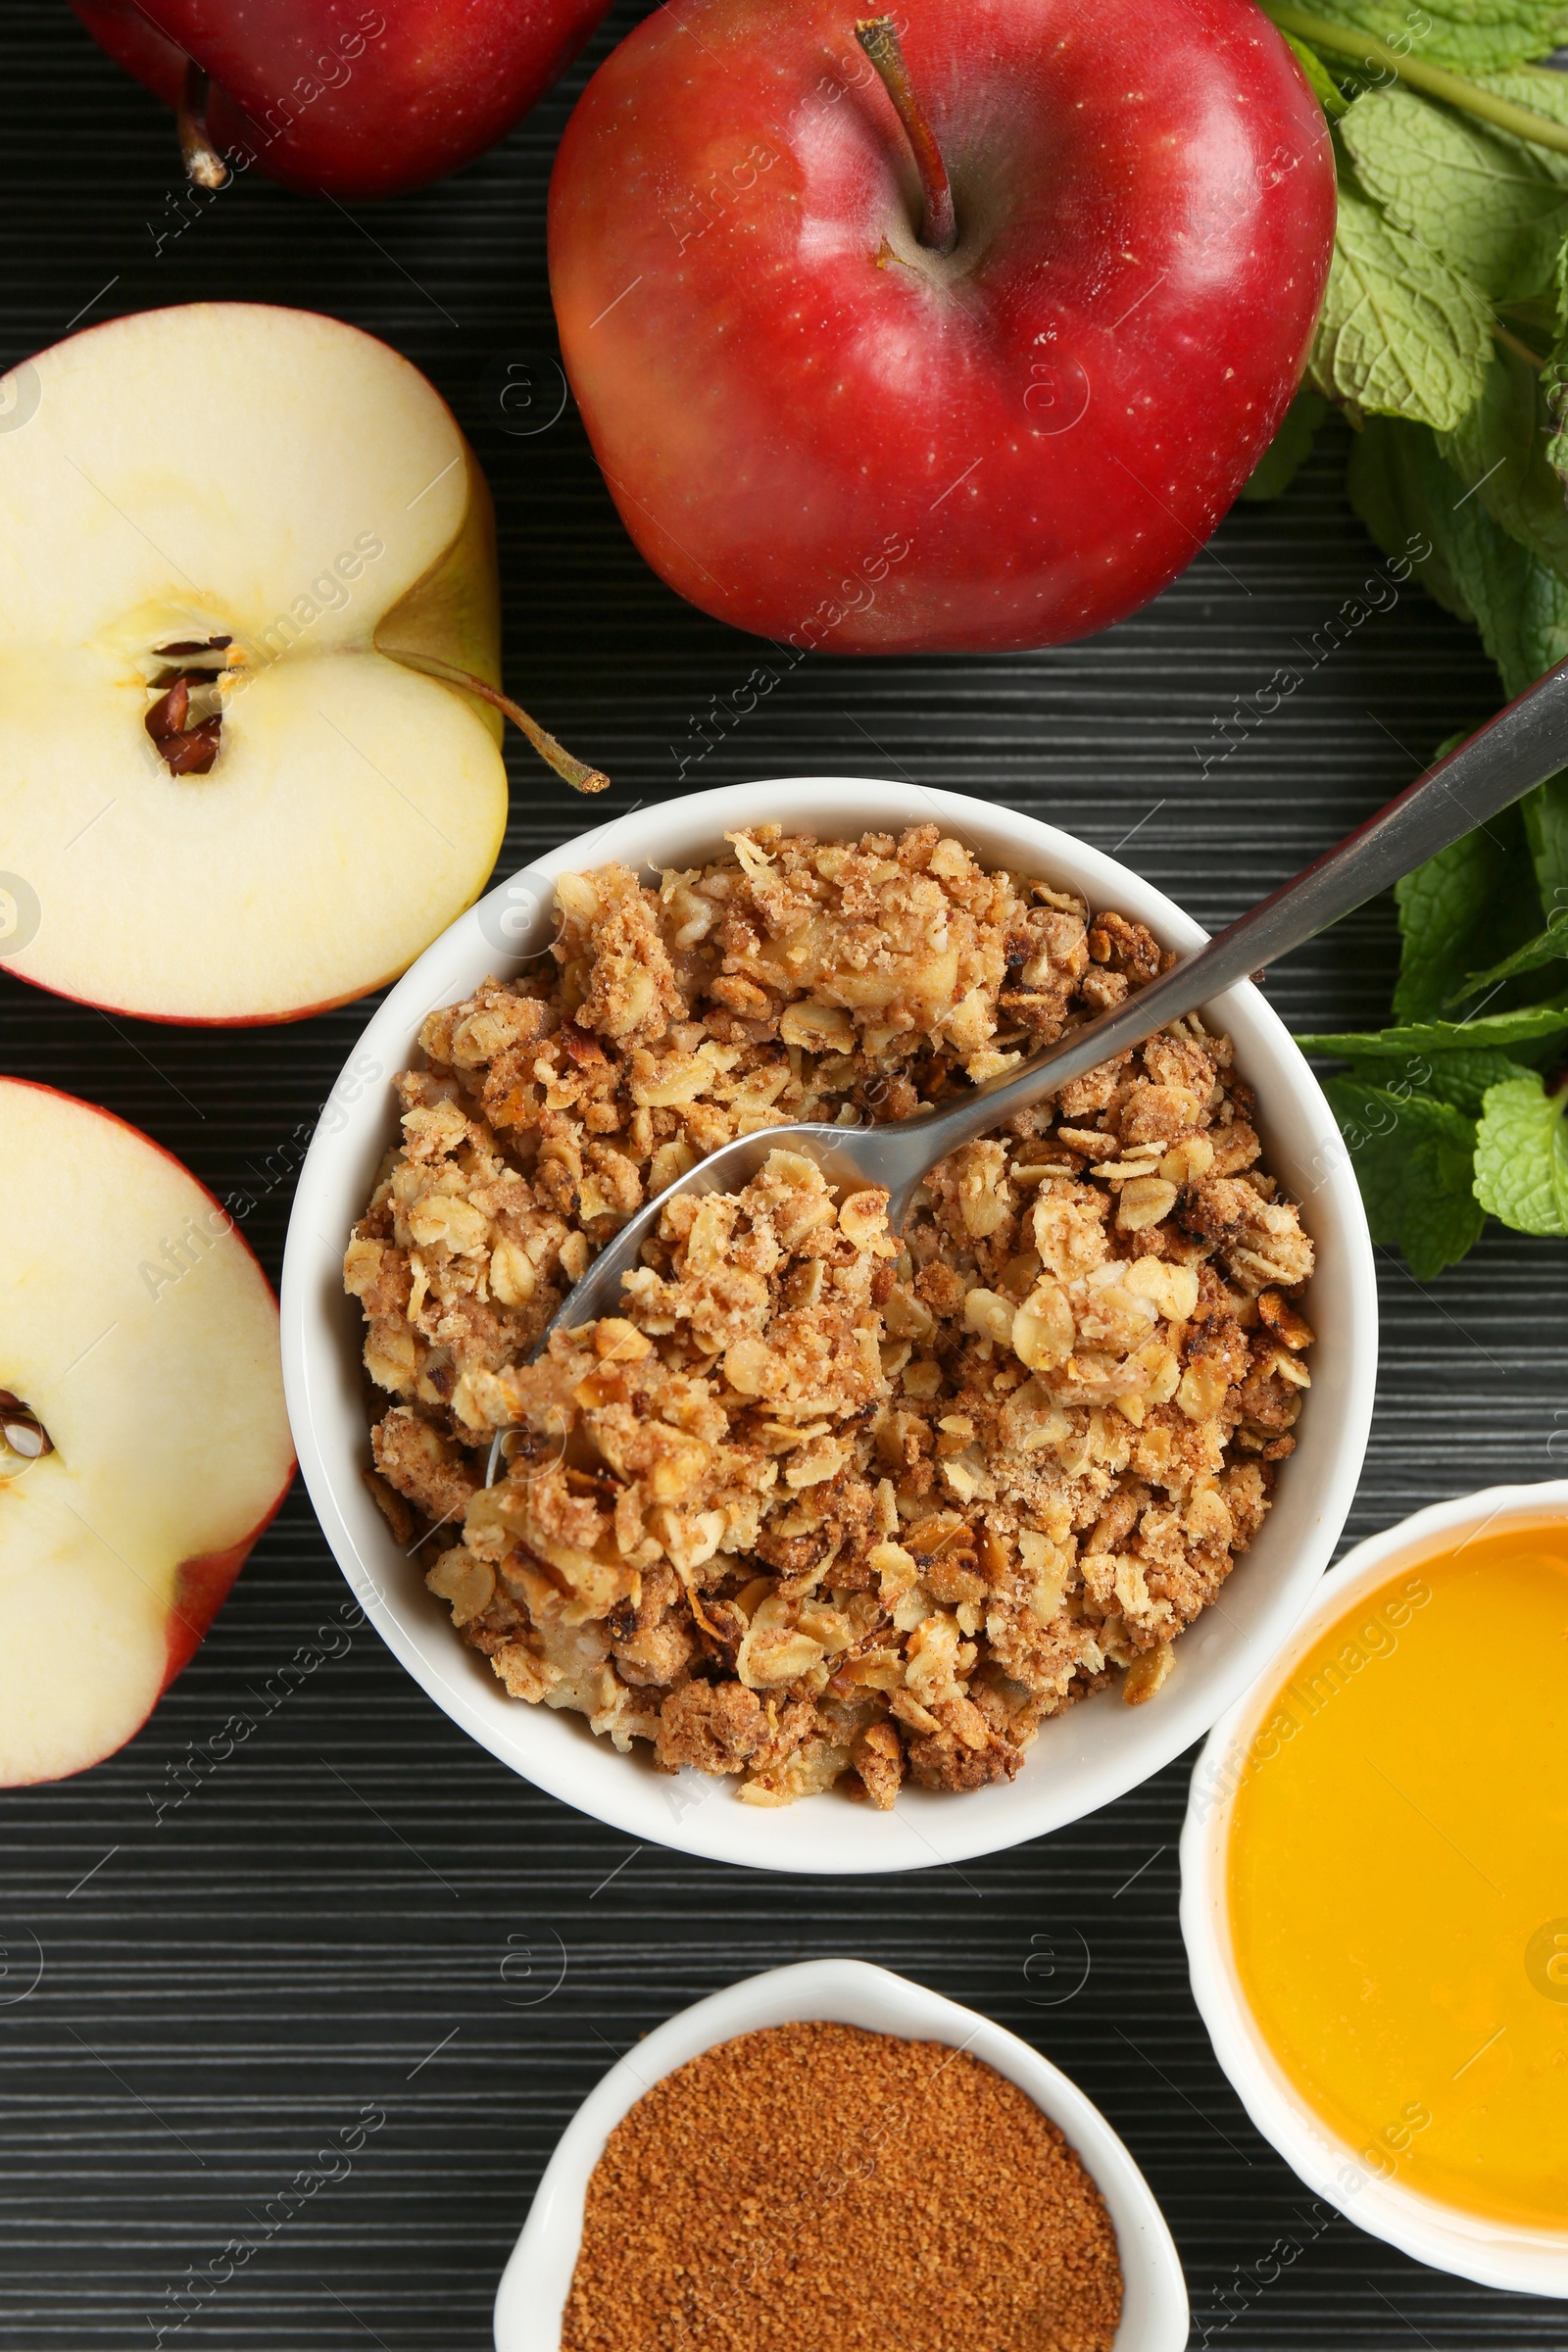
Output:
x=189 y=747
x=194 y=645
x=21 y=1430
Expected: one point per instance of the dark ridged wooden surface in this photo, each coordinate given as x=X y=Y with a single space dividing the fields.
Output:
x=358 y=1913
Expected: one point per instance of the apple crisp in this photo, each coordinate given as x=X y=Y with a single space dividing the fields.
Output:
x=825 y=1503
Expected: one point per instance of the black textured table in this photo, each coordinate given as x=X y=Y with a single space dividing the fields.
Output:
x=359 y=1916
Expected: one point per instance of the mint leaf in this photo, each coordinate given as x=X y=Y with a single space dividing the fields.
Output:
x=1531 y=1024
x=1485 y=206
x=1400 y=333
x=1522 y=1156
x=1414 y=1162
x=1545 y=815
x=1397 y=483
x=1477 y=570
x=1462 y=1079
x=1290 y=448
x=1456 y=907
x=1538 y=640
x=1520 y=604
x=1498 y=453
x=1547 y=947
x=1554 y=374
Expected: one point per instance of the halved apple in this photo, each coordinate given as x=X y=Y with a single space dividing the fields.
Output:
x=217 y=526
x=143 y=1440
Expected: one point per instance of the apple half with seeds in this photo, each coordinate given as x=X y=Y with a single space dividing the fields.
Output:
x=242 y=548
x=143 y=1440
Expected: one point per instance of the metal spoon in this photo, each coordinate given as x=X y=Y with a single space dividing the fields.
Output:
x=1520 y=748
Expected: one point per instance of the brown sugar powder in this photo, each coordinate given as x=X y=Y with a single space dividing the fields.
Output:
x=818 y=2187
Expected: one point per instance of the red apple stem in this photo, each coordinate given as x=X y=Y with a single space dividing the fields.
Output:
x=878 y=36
x=574 y=772
x=203 y=162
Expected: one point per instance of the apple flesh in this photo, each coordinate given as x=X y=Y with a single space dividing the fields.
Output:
x=348 y=101
x=259 y=503
x=818 y=427
x=143 y=1440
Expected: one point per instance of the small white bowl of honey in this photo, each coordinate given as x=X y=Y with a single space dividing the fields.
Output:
x=1375 y=1890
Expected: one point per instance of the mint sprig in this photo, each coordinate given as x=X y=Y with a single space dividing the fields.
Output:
x=1444 y=338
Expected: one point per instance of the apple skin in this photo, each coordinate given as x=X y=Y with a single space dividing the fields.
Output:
x=345 y=101
x=816 y=429
x=201 y=1588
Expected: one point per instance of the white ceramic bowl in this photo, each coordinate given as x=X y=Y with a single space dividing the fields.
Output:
x=1082 y=1759
x=534 y=2285
x=1527 y=2261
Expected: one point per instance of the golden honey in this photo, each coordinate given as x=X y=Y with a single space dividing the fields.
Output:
x=1398 y=1877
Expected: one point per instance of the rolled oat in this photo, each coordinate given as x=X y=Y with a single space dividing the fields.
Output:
x=823 y=1503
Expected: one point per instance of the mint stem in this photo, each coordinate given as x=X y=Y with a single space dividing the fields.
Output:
x=1517 y=343
x=1436 y=81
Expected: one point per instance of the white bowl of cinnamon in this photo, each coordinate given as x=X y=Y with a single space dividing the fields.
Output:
x=777 y=2166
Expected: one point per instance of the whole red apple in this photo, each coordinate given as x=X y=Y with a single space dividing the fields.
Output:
x=818 y=425
x=344 y=100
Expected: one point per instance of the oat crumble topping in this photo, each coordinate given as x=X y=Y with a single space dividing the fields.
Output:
x=823 y=1503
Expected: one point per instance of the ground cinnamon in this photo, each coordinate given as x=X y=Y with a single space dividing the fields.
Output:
x=815 y=2188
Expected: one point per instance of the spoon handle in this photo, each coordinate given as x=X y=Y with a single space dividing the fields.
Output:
x=1487 y=773
x=1491 y=768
